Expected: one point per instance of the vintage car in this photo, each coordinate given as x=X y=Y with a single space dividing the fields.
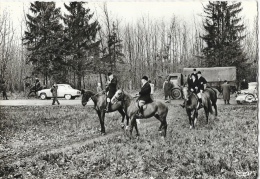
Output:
x=64 y=91
x=248 y=95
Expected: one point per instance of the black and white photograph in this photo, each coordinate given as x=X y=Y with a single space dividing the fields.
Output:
x=129 y=89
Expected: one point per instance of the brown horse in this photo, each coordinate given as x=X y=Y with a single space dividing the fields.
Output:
x=99 y=100
x=209 y=98
x=157 y=109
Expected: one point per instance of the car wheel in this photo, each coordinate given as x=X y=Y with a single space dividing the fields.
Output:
x=73 y=97
x=67 y=96
x=176 y=93
x=238 y=102
x=250 y=98
x=43 y=96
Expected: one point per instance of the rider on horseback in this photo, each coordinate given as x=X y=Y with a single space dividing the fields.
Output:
x=111 y=89
x=191 y=82
x=144 y=95
x=201 y=86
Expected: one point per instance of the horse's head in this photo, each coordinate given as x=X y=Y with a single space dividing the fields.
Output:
x=118 y=95
x=185 y=92
x=86 y=94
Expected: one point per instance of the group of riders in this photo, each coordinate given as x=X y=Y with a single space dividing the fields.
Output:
x=196 y=84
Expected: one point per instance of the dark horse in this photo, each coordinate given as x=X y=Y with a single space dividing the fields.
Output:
x=157 y=109
x=33 y=89
x=209 y=98
x=99 y=100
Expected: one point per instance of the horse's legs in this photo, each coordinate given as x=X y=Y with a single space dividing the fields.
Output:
x=215 y=107
x=29 y=94
x=190 y=117
x=102 y=123
x=136 y=128
x=158 y=117
x=132 y=124
x=207 y=114
x=123 y=117
x=164 y=123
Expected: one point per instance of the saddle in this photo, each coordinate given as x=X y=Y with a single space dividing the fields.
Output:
x=145 y=105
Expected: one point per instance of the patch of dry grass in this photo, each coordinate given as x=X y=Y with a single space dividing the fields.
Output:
x=64 y=142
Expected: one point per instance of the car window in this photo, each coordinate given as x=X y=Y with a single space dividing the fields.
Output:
x=61 y=87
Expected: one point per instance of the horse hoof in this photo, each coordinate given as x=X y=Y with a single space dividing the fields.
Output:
x=127 y=127
x=122 y=126
x=103 y=133
x=190 y=127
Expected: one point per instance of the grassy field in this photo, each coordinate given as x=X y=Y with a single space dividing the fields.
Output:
x=64 y=142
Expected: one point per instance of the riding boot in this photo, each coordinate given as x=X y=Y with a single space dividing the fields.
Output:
x=141 y=111
x=228 y=102
x=108 y=107
x=200 y=105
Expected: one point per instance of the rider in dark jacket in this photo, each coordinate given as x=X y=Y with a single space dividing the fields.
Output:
x=201 y=86
x=111 y=89
x=145 y=95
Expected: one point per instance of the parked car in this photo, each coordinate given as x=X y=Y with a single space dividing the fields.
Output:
x=252 y=86
x=248 y=95
x=64 y=91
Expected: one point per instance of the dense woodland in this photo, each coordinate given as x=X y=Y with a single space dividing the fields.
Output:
x=80 y=47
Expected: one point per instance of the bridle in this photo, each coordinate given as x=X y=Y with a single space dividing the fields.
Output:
x=122 y=95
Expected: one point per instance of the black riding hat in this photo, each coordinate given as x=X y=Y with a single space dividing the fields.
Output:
x=199 y=72
x=145 y=78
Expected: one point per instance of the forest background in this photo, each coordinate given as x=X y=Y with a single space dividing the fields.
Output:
x=79 y=43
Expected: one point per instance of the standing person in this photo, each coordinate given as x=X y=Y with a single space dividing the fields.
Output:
x=111 y=89
x=4 y=86
x=144 y=95
x=195 y=73
x=99 y=89
x=244 y=84
x=37 y=85
x=226 y=92
x=54 y=90
x=167 y=86
x=202 y=84
x=152 y=88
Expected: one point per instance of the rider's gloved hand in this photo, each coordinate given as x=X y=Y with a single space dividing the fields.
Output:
x=192 y=90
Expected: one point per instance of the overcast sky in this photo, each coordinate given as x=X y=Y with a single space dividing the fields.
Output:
x=130 y=11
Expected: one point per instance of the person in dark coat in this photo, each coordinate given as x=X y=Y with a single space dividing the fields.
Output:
x=201 y=86
x=167 y=86
x=4 y=89
x=54 y=90
x=226 y=92
x=144 y=95
x=192 y=85
x=244 y=84
x=110 y=89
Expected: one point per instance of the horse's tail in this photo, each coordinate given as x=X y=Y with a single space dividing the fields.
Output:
x=209 y=106
x=215 y=91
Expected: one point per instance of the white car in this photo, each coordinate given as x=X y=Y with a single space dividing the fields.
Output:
x=248 y=95
x=64 y=91
x=252 y=88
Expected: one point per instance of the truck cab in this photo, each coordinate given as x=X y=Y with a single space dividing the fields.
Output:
x=176 y=79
